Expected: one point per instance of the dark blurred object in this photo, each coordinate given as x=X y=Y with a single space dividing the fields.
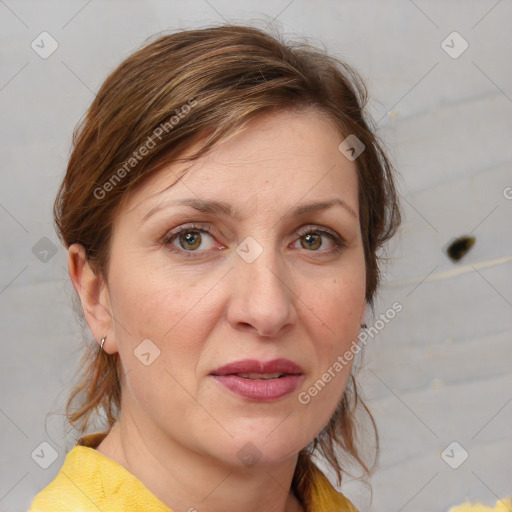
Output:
x=460 y=247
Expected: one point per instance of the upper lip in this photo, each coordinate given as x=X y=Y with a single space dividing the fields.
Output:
x=254 y=366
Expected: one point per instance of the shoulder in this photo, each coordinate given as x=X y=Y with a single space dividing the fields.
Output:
x=89 y=480
x=68 y=489
x=64 y=493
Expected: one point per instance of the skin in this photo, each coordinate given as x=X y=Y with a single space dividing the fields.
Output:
x=180 y=431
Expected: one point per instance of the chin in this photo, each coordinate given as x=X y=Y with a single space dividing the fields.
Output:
x=267 y=447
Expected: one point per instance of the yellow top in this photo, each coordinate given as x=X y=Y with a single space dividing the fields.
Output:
x=90 y=481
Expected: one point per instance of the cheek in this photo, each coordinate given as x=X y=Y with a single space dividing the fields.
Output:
x=335 y=313
x=177 y=314
x=339 y=301
x=155 y=301
x=159 y=342
x=164 y=309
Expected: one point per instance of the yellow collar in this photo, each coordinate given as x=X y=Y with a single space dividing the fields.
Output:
x=89 y=479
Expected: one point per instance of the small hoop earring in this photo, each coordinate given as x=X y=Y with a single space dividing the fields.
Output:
x=103 y=341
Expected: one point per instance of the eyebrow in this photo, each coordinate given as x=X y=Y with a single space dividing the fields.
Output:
x=220 y=207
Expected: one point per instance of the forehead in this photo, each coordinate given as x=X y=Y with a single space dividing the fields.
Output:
x=278 y=159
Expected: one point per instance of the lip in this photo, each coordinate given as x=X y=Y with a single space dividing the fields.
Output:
x=260 y=390
x=255 y=366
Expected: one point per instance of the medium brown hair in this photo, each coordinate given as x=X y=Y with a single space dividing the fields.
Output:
x=176 y=90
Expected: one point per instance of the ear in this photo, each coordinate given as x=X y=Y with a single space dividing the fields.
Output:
x=93 y=293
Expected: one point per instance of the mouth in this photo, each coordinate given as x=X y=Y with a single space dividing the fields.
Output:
x=260 y=381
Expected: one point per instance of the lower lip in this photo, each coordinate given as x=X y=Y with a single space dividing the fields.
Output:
x=260 y=390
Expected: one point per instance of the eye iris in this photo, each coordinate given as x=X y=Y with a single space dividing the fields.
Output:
x=190 y=240
x=315 y=239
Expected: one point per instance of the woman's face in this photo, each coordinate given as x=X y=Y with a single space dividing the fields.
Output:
x=248 y=270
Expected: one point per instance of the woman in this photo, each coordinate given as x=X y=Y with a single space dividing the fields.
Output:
x=222 y=209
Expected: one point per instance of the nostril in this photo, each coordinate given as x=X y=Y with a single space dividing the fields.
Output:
x=459 y=247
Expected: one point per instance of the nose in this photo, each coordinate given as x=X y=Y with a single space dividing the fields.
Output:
x=262 y=299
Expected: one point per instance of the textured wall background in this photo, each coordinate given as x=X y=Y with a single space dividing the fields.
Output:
x=439 y=372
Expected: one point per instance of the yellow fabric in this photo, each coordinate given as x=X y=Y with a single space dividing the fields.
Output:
x=89 y=481
x=501 y=506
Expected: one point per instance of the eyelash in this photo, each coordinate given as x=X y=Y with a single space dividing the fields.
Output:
x=339 y=242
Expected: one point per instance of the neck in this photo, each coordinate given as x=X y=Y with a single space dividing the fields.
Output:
x=187 y=480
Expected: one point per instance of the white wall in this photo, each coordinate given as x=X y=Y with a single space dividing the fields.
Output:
x=440 y=371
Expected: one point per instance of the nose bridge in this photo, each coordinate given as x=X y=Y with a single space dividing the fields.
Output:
x=262 y=296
